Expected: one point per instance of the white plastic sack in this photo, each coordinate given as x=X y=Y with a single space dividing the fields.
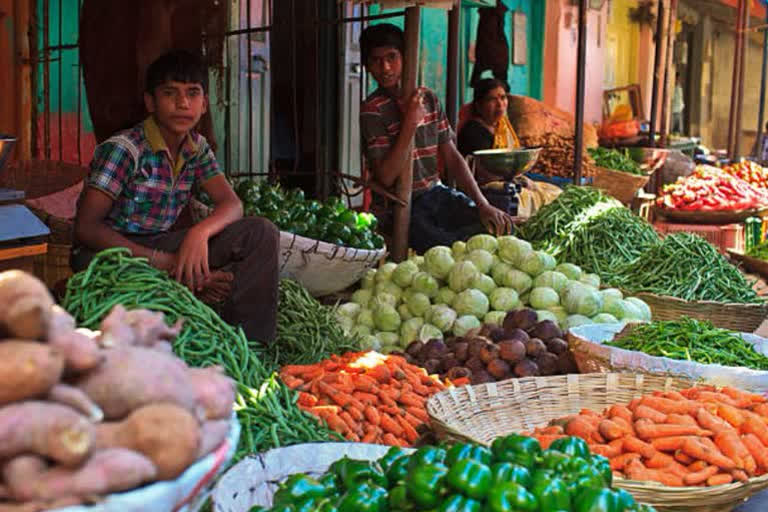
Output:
x=185 y=494
x=254 y=480
x=589 y=339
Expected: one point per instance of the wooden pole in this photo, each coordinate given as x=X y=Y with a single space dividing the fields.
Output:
x=761 y=113
x=581 y=76
x=657 y=71
x=23 y=80
x=452 y=85
x=405 y=181
x=742 y=34
x=669 y=51
x=735 y=82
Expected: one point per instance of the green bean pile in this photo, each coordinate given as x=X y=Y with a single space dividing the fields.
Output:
x=686 y=266
x=603 y=242
x=548 y=230
x=265 y=407
x=307 y=331
x=692 y=340
x=615 y=160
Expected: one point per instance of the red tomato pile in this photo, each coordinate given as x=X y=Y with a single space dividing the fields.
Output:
x=711 y=189
x=751 y=172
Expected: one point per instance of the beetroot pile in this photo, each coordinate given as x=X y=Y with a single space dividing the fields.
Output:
x=521 y=347
x=88 y=413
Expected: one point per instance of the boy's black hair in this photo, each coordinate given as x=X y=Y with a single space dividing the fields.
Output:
x=179 y=66
x=381 y=35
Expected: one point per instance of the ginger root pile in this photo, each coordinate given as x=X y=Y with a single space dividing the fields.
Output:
x=87 y=413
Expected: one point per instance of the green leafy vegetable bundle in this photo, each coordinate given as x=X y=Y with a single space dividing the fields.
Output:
x=615 y=160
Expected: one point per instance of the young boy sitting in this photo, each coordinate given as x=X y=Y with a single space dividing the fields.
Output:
x=140 y=181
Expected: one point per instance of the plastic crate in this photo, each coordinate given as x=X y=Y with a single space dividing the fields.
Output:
x=729 y=236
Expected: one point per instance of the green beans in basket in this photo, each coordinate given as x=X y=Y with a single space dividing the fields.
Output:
x=265 y=407
x=688 y=267
x=692 y=340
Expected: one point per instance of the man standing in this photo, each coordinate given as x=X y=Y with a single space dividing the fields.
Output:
x=389 y=123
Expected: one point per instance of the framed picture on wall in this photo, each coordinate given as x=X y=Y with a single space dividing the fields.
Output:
x=519 y=38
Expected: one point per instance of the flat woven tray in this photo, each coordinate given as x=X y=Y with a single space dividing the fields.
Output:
x=709 y=217
x=737 y=317
x=483 y=412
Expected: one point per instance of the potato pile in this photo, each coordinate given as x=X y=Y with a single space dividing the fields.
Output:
x=521 y=347
x=87 y=413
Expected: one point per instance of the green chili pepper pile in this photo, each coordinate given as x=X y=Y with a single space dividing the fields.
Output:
x=514 y=475
x=330 y=222
x=688 y=267
x=692 y=340
x=265 y=407
x=549 y=229
x=307 y=331
x=616 y=160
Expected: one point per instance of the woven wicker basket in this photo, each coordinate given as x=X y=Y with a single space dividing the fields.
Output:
x=737 y=317
x=621 y=185
x=483 y=412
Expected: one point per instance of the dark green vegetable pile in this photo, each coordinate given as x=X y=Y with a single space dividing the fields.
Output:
x=615 y=159
x=514 y=474
x=692 y=340
x=265 y=407
x=688 y=267
x=759 y=251
x=331 y=222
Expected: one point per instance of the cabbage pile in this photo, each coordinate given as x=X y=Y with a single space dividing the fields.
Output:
x=451 y=290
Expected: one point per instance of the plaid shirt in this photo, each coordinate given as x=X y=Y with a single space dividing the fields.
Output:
x=380 y=125
x=149 y=194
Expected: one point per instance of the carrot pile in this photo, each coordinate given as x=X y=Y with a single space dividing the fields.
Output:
x=365 y=396
x=695 y=437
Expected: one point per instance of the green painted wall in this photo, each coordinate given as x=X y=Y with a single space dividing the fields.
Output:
x=525 y=80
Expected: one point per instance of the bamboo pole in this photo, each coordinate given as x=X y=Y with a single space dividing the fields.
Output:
x=581 y=76
x=402 y=214
x=735 y=82
x=742 y=34
x=657 y=72
x=23 y=80
x=761 y=113
x=669 y=52
x=452 y=86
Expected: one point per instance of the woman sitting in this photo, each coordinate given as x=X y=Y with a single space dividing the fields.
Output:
x=488 y=126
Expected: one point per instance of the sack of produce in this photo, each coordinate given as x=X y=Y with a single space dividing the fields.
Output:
x=91 y=413
x=687 y=348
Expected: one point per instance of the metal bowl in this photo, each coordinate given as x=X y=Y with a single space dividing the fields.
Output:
x=6 y=145
x=507 y=163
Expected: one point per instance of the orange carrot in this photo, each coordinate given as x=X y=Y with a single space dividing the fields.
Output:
x=711 y=422
x=719 y=479
x=625 y=425
x=635 y=445
x=757 y=449
x=590 y=412
x=366 y=398
x=701 y=476
x=619 y=462
x=357 y=414
x=386 y=398
x=636 y=471
x=591 y=419
x=413 y=420
x=391 y=439
x=633 y=404
x=731 y=414
x=740 y=475
x=350 y=421
x=335 y=422
x=669 y=443
x=291 y=381
x=419 y=412
x=296 y=370
x=648 y=430
x=743 y=397
x=390 y=425
x=643 y=411
x=364 y=383
x=718 y=398
x=580 y=427
x=668 y=406
x=682 y=419
x=370 y=436
x=620 y=411
x=752 y=425
x=729 y=442
x=381 y=373
x=696 y=449
x=761 y=409
x=673 y=395
x=683 y=458
x=606 y=450
x=412 y=399
x=372 y=415
x=408 y=431
x=697 y=466
x=610 y=430
x=553 y=430
x=660 y=461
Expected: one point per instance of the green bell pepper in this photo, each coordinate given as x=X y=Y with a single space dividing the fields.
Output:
x=327 y=505
x=597 y=500
x=398 y=498
x=427 y=455
x=354 y=472
x=459 y=503
x=502 y=472
x=603 y=466
x=391 y=456
x=298 y=488
x=515 y=448
x=468 y=451
x=364 y=498
x=574 y=446
x=625 y=500
x=470 y=477
x=398 y=470
x=332 y=483
x=426 y=484
x=511 y=497
x=552 y=494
